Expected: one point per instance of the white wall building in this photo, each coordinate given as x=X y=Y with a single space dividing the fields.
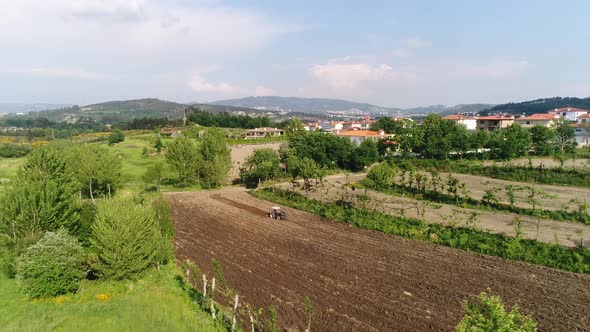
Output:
x=468 y=121
x=570 y=113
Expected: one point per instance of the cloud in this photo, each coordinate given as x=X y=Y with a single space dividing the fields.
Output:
x=409 y=47
x=198 y=84
x=56 y=72
x=202 y=86
x=347 y=74
x=263 y=91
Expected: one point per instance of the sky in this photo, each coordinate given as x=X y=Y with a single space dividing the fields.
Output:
x=389 y=53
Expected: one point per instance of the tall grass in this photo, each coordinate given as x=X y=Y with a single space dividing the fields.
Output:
x=152 y=303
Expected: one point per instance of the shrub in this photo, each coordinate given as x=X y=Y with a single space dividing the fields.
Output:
x=52 y=266
x=125 y=237
x=13 y=150
x=115 y=136
x=487 y=313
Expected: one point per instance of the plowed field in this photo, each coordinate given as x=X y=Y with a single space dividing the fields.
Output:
x=359 y=280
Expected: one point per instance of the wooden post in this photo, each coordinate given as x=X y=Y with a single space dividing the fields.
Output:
x=212 y=291
x=251 y=320
x=204 y=286
x=234 y=316
x=538 y=225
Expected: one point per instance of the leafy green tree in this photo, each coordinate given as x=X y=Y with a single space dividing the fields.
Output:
x=380 y=176
x=263 y=164
x=125 y=237
x=52 y=266
x=182 y=155
x=158 y=145
x=115 y=137
x=97 y=170
x=294 y=127
x=153 y=174
x=511 y=142
x=565 y=137
x=488 y=314
x=215 y=158
x=326 y=150
x=366 y=154
x=542 y=138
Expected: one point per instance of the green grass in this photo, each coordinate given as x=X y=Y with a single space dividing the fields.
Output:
x=9 y=166
x=155 y=302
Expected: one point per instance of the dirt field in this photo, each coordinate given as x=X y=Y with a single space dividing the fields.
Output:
x=239 y=153
x=359 y=280
x=547 y=162
x=550 y=231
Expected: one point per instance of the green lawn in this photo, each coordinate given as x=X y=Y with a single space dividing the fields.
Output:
x=152 y=303
x=9 y=166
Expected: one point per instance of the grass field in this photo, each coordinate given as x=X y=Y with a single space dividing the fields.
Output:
x=152 y=303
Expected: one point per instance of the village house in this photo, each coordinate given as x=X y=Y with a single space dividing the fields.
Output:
x=469 y=122
x=584 y=120
x=493 y=122
x=263 y=132
x=357 y=136
x=570 y=113
x=312 y=126
x=539 y=119
x=332 y=126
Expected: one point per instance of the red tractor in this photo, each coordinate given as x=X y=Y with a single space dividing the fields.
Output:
x=277 y=214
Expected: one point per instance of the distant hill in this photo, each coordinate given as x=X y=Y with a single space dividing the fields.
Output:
x=323 y=105
x=541 y=105
x=306 y=105
x=26 y=108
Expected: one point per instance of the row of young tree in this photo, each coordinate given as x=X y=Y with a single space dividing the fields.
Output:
x=442 y=139
x=59 y=223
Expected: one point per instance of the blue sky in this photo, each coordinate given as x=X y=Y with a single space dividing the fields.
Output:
x=390 y=53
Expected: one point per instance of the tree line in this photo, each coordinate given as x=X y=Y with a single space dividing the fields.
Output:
x=438 y=138
x=226 y=120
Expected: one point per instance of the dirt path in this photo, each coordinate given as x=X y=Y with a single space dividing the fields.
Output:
x=565 y=233
x=359 y=280
x=239 y=154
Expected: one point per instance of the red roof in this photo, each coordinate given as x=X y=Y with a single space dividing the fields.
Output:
x=361 y=133
x=458 y=117
x=539 y=117
x=570 y=109
x=584 y=116
x=496 y=117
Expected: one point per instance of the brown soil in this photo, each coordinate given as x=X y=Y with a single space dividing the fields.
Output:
x=359 y=280
x=565 y=233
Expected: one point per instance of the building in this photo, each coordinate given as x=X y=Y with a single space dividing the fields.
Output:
x=358 y=136
x=263 y=132
x=570 y=113
x=469 y=122
x=332 y=126
x=539 y=119
x=312 y=126
x=493 y=122
x=584 y=119
x=582 y=134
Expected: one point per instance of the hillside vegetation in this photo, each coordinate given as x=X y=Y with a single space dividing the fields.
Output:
x=541 y=105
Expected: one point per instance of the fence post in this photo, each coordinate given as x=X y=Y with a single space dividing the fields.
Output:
x=234 y=318
x=212 y=303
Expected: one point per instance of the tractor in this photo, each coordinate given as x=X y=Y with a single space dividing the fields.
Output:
x=277 y=213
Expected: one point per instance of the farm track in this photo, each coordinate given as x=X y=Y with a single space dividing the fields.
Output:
x=359 y=280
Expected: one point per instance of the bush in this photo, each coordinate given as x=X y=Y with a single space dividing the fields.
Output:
x=52 y=266
x=126 y=238
x=487 y=313
x=115 y=136
x=13 y=150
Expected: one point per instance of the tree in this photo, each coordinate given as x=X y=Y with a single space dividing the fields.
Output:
x=154 y=174
x=125 y=237
x=115 y=136
x=294 y=127
x=263 y=164
x=366 y=154
x=487 y=313
x=215 y=158
x=52 y=266
x=542 y=138
x=380 y=176
x=182 y=155
x=97 y=170
x=511 y=142
x=565 y=137
x=158 y=145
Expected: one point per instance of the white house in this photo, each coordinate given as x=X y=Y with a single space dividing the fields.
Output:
x=358 y=136
x=539 y=119
x=570 y=113
x=469 y=122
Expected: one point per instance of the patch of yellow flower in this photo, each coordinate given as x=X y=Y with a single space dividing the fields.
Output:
x=103 y=297
x=61 y=299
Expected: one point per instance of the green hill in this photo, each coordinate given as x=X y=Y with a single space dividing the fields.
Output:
x=541 y=105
